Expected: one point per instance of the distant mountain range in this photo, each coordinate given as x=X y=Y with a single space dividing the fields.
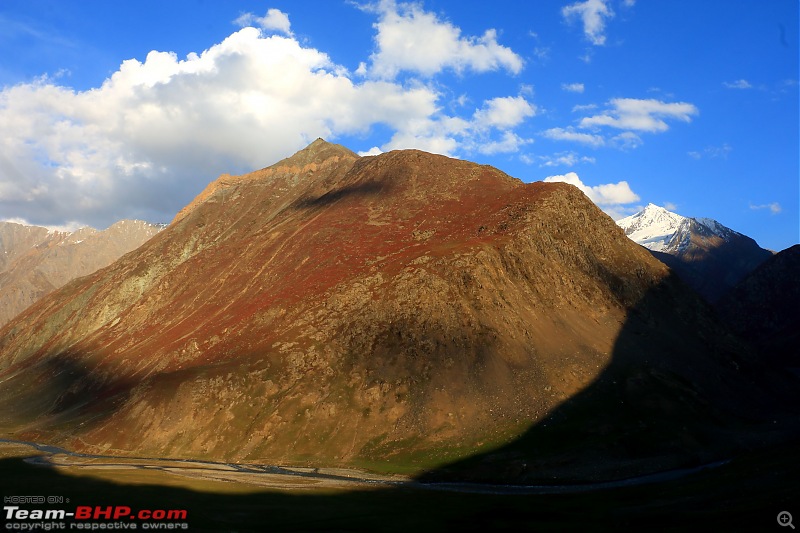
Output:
x=707 y=255
x=405 y=312
x=34 y=260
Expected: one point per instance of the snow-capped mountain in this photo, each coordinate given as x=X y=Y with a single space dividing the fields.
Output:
x=660 y=230
x=707 y=255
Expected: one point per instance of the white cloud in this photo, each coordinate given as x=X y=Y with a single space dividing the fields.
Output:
x=593 y=14
x=510 y=142
x=628 y=3
x=572 y=87
x=627 y=140
x=669 y=206
x=565 y=159
x=738 y=84
x=413 y=40
x=641 y=115
x=372 y=151
x=504 y=112
x=561 y=134
x=774 y=207
x=274 y=20
x=584 y=107
x=146 y=141
x=608 y=196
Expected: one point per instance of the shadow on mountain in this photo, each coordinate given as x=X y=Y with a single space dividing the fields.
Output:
x=714 y=270
x=679 y=392
x=359 y=190
x=763 y=308
x=60 y=389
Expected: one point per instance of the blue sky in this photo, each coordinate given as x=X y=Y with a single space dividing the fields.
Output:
x=117 y=110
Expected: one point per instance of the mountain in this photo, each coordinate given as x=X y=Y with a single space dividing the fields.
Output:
x=709 y=257
x=34 y=261
x=764 y=307
x=393 y=312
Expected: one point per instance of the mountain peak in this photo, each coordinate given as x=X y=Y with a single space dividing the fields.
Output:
x=707 y=255
x=653 y=227
x=310 y=159
x=317 y=152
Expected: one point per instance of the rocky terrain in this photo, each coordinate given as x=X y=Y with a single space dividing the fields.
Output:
x=398 y=313
x=34 y=261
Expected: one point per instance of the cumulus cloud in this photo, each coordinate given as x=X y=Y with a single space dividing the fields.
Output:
x=274 y=20
x=641 y=115
x=413 y=40
x=593 y=15
x=156 y=131
x=774 y=207
x=610 y=197
x=738 y=84
x=504 y=112
x=572 y=87
x=561 y=134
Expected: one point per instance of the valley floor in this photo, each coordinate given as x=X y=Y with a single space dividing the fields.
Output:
x=741 y=495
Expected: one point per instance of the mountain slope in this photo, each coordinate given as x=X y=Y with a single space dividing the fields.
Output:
x=764 y=307
x=34 y=261
x=397 y=312
x=708 y=256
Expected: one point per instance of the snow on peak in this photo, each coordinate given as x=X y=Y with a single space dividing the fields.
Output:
x=652 y=227
x=660 y=230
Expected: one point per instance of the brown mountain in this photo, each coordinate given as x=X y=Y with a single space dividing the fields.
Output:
x=396 y=312
x=34 y=261
x=765 y=307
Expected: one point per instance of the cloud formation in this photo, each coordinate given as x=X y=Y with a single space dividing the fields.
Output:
x=738 y=84
x=712 y=152
x=569 y=134
x=593 y=15
x=156 y=131
x=572 y=87
x=565 y=159
x=413 y=40
x=274 y=20
x=774 y=207
x=641 y=115
x=504 y=112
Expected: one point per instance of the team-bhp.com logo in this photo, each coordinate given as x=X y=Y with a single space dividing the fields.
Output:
x=94 y=518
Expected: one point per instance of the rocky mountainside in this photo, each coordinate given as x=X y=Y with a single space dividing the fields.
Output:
x=765 y=307
x=394 y=312
x=34 y=260
x=710 y=257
